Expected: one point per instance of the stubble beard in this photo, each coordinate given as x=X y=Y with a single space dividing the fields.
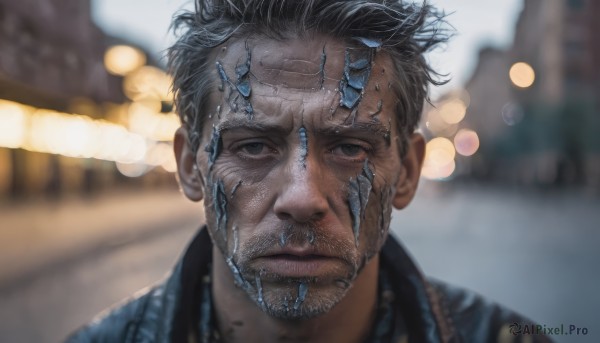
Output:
x=295 y=298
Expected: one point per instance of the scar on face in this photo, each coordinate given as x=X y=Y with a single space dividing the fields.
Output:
x=213 y=148
x=240 y=91
x=359 y=190
x=303 y=145
x=220 y=205
x=302 y=290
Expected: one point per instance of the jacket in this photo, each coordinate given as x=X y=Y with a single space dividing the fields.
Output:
x=432 y=311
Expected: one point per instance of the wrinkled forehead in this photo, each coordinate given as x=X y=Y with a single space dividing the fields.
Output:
x=313 y=63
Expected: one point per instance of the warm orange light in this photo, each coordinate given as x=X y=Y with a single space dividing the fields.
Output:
x=439 y=159
x=453 y=111
x=146 y=83
x=123 y=59
x=153 y=125
x=13 y=120
x=522 y=75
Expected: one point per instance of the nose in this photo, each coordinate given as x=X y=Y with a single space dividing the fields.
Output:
x=302 y=197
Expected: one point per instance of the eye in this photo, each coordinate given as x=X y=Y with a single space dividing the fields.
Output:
x=350 y=149
x=254 y=148
x=354 y=152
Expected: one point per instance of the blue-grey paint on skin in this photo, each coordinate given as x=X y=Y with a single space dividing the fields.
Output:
x=235 y=240
x=311 y=237
x=235 y=188
x=359 y=190
x=283 y=236
x=302 y=290
x=322 y=69
x=364 y=190
x=355 y=77
x=222 y=76
x=367 y=171
x=220 y=204
x=242 y=85
x=303 y=145
x=213 y=148
x=238 y=279
x=259 y=291
x=286 y=303
x=371 y=43
x=354 y=205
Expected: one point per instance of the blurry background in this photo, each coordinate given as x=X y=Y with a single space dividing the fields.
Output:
x=89 y=206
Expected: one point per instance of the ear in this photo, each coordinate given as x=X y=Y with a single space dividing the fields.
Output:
x=410 y=171
x=188 y=173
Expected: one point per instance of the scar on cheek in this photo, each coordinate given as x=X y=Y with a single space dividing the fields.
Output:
x=238 y=279
x=359 y=190
x=236 y=239
x=220 y=205
x=235 y=188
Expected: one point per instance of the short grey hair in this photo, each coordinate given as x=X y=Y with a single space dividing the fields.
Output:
x=406 y=31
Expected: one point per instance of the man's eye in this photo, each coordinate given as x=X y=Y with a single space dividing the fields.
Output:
x=351 y=149
x=354 y=151
x=253 y=148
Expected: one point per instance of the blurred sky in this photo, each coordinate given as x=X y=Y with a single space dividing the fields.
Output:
x=477 y=23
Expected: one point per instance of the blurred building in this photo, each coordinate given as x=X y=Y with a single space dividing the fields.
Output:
x=535 y=106
x=66 y=97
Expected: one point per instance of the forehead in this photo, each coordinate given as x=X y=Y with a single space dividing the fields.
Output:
x=323 y=73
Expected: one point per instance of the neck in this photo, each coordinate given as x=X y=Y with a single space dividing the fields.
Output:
x=241 y=320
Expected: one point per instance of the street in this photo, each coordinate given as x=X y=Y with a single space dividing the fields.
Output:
x=533 y=252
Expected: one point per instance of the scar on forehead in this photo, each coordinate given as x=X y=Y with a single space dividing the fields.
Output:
x=242 y=87
x=357 y=69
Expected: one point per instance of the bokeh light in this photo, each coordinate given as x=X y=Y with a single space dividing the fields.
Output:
x=12 y=124
x=512 y=113
x=453 y=111
x=466 y=142
x=439 y=159
x=123 y=59
x=522 y=75
x=436 y=125
x=148 y=82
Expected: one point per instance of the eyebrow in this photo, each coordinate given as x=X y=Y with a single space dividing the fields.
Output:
x=376 y=129
x=251 y=125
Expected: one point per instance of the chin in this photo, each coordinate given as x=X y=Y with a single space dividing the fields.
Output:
x=283 y=302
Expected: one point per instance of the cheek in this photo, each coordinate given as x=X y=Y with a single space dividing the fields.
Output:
x=377 y=218
x=236 y=202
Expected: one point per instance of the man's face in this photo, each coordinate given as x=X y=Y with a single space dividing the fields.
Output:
x=298 y=168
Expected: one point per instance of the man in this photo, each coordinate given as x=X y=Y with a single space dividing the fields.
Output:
x=298 y=134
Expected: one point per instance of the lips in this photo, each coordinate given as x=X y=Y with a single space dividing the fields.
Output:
x=298 y=263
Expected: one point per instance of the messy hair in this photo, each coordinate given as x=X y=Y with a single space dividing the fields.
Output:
x=405 y=32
